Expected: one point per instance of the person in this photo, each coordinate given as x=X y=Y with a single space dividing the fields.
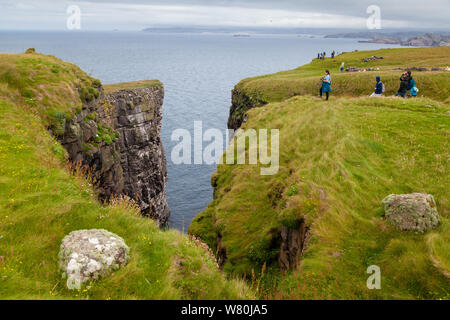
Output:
x=332 y=54
x=404 y=82
x=412 y=85
x=324 y=55
x=342 y=67
x=321 y=56
x=326 y=84
x=318 y=55
x=379 y=88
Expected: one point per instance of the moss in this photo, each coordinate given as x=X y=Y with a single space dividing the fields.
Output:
x=88 y=147
x=57 y=120
x=106 y=134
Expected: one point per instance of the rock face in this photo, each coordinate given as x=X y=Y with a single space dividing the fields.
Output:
x=293 y=243
x=87 y=255
x=138 y=121
x=411 y=212
x=240 y=104
x=116 y=137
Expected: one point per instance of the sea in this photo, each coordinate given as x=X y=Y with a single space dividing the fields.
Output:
x=198 y=71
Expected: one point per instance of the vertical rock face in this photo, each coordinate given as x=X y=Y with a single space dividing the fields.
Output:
x=137 y=118
x=118 y=138
x=241 y=103
x=293 y=244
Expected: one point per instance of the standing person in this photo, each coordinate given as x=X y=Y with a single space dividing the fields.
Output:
x=379 y=88
x=342 y=67
x=318 y=55
x=326 y=84
x=324 y=55
x=332 y=54
x=404 y=82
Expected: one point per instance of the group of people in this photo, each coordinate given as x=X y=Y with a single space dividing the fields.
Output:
x=322 y=55
x=407 y=83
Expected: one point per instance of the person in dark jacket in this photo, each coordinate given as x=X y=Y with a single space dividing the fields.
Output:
x=404 y=83
x=378 y=88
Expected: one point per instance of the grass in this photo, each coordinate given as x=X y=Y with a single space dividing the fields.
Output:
x=49 y=86
x=42 y=199
x=109 y=88
x=338 y=160
x=305 y=80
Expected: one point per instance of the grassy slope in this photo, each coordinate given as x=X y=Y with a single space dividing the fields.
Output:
x=305 y=79
x=338 y=160
x=41 y=202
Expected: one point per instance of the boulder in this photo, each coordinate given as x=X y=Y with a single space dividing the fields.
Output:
x=411 y=212
x=87 y=255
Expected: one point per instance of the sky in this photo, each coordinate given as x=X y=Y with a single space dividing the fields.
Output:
x=140 y=14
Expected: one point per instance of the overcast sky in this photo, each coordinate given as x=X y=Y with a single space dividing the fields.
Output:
x=139 y=14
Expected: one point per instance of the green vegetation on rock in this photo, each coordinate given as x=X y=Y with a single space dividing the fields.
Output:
x=131 y=85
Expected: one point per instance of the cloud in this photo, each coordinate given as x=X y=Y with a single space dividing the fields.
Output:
x=137 y=14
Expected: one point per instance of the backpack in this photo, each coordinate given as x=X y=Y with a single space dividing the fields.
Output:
x=383 y=88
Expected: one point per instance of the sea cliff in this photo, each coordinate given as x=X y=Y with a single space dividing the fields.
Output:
x=118 y=136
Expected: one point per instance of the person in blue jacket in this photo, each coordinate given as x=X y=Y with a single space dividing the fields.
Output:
x=412 y=85
x=378 y=88
x=326 y=84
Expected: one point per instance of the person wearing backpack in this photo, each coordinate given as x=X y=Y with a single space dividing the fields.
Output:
x=379 y=88
x=326 y=84
x=412 y=85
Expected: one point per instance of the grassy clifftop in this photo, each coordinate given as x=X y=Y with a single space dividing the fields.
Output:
x=338 y=160
x=108 y=88
x=42 y=200
x=305 y=80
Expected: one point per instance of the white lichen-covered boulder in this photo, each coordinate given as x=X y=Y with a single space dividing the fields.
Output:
x=411 y=212
x=86 y=255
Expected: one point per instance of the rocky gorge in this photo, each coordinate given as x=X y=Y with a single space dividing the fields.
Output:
x=116 y=138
